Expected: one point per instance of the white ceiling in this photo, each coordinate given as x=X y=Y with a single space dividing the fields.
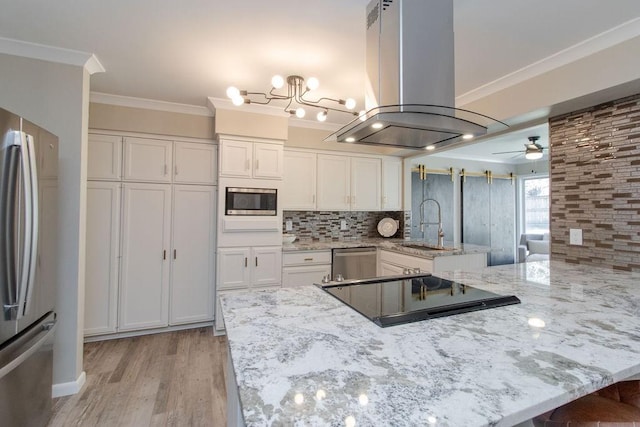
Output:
x=186 y=51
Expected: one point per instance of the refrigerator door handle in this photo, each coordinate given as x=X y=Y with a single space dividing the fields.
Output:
x=8 y=195
x=32 y=221
x=29 y=348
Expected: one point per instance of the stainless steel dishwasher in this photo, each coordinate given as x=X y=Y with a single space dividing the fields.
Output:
x=354 y=263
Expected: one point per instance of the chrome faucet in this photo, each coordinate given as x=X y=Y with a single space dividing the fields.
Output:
x=439 y=223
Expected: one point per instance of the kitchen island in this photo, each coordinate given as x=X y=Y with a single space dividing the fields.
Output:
x=302 y=357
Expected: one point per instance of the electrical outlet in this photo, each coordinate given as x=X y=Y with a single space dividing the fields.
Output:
x=343 y=224
x=288 y=225
x=575 y=236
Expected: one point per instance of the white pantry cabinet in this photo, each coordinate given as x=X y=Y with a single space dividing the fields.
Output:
x=299 y=180
x=144 y=284
x=391 y=185
x=349 y=183
x=147 y=160
x=102 y=250
x=192 y=254
x=104 y=157
x=249 y=267
x=246 y=159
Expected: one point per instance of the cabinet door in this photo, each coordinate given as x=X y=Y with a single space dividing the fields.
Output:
x=299 y=184
x=48 y=155
x=101 y=260
x=104 y=157
x=333 y=182
x=267 y=266
x=144 y=285
x=366 y=192
x=306 y=275
x=236 y=158
x=387 y=269
x=193 y=253
x=233 y=268
x=147 y=159
x=268 y=161
x=194 y=163
x=391 y=185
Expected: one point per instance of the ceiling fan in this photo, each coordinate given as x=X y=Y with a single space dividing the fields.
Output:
x=533 y=150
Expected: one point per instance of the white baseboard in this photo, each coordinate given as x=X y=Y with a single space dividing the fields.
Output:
x=72 y=387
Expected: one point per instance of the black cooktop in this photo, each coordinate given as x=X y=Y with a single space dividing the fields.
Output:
x=394 y=300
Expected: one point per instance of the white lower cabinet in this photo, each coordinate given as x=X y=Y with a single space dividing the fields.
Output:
x=248 y=267
x=192 y=254
x=144 y=284
x=305 y=267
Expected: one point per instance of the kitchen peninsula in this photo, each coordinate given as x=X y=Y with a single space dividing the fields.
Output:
x=302 y=357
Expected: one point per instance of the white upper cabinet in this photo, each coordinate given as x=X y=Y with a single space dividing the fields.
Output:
x=334 y=188
x=299 y=183
x=268 y=161
x=365 y=184
x=246 y=159
x=346 y=183
x=147 y=160
x=195 y=163
x=104 y=159
x=391 y=184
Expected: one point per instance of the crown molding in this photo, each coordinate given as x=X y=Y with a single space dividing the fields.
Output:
x=148 y=104
x=616 y=35
x=51 y=54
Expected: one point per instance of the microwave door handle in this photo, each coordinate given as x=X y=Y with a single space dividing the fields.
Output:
x=32 y=251
x=8 y=195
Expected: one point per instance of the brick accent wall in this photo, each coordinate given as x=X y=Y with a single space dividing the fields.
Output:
x=595 y=184
x=318 y=226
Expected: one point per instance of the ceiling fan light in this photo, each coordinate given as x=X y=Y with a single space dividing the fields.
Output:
x=237 y=100
x=350 y=103
x=533 y=155
x=300 y=112
x=322 y=116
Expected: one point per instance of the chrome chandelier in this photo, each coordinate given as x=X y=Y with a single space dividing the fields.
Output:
x=297 y=88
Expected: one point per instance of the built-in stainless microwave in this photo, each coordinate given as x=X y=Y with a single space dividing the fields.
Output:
x=251 y=201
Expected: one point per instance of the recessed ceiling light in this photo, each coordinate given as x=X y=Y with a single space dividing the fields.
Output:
x=377 y=125
x=467 y=136
x=350 y=139
x=431 y=147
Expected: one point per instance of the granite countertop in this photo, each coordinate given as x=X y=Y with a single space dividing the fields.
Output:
x=302 y=357
x=396 y=245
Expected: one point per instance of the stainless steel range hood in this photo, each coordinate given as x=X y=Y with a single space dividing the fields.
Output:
x=410 y=89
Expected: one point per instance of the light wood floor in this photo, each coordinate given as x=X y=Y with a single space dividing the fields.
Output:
x=169 y=379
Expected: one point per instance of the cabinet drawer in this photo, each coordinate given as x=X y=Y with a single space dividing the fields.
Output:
x=306 y=258
x=406 y=261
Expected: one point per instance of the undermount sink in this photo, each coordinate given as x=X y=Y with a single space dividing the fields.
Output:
x=426 y=247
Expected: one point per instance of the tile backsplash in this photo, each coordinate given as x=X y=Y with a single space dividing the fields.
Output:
x=317 y=226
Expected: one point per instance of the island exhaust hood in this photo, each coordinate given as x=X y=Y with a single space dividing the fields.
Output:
x=410 y=90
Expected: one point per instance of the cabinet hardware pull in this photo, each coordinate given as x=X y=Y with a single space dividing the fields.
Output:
x=164 y=254
x=247 y=165
x=308 y=259
x=166 y=170
x=256 y=261
x=176 y=169
x=257 y=164
x=175 y=253
x=246 y=261
x=313 y=198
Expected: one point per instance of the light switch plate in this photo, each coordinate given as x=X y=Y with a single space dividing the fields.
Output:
x=343 y=224
x=288 y=225
x=575 y=236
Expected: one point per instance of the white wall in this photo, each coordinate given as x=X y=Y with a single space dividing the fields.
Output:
x=56 y=97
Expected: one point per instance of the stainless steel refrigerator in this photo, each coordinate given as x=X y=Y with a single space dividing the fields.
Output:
x=28 y=269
